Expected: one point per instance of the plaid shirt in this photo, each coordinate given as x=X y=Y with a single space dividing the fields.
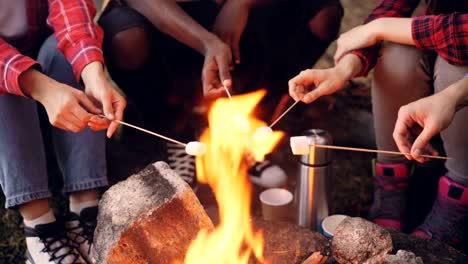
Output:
x=78 y=37
x=445 y=34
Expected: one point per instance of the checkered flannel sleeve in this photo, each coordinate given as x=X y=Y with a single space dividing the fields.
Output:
x=385 y=8
x=12 y=64
x=445 y=34
x=78 y=37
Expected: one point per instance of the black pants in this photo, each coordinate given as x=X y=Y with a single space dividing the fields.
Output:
x=276 y=45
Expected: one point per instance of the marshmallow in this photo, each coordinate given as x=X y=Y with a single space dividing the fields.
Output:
x=195 y=148
x=299 y=145
x=262 y=132
x=241 y=123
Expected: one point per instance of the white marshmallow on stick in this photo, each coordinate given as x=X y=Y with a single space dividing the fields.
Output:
x=262 y=132
x=195 y=148
x=299 y=145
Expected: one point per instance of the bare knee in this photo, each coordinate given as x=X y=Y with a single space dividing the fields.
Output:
x=326 y=23
x=130 y=48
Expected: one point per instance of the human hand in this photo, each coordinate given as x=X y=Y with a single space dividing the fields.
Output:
x=359 y=37
x=100 y=89
x=67 y=108
x=309 y=85
x=216 y=68
x=421 y=120
x=230 y=24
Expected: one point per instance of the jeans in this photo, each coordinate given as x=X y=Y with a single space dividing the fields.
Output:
x=404 y=74
x=23 y=173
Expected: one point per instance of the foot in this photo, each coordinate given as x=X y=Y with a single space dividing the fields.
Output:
x=391 y=185
x=448 y=219
x=267 y=175
x=80 y=229
x=182 y=163
x=49 y=243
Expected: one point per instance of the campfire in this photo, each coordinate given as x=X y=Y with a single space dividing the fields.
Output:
x=224 y=168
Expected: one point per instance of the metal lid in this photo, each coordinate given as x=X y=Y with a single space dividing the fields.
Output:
x=317 y=156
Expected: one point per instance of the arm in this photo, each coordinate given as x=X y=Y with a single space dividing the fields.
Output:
x=12 y=65
x=419 y=121
x=80 y=40
x=444 y=34
x=385 y=8
x=168 y=17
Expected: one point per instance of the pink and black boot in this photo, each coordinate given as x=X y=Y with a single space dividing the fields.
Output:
x=391 y=186
x=448 y=219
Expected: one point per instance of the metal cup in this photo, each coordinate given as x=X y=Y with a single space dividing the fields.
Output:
x=312 y=190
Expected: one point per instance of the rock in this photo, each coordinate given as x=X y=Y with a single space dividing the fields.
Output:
x=287 y=243
x=151 y=217
x=403 y=257
x=431 y=251
x=359 y=241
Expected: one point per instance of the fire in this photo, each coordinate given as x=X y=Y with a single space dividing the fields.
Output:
x=224 y=168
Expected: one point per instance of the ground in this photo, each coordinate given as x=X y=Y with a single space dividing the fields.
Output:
x=345 y=115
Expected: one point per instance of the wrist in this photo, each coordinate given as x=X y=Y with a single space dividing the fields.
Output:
x=34 y=84
x=92 y=73
x=458 y=94
x=349 y=66
x=377 y=29
x=209 y=41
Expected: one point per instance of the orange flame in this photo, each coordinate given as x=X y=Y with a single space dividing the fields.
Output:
x=224 y=168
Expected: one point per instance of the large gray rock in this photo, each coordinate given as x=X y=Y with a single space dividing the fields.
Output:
x=403 y=257
x=358 y=241
x=151 y=217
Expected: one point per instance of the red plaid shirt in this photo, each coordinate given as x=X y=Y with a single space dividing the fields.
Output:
x=78 y=37
x=445 y=34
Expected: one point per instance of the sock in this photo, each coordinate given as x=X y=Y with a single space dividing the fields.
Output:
x=78 y=207
x=46 y=218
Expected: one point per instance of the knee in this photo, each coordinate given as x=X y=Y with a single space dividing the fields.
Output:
x=326 y=23
x=130 y=48
x=399 y=63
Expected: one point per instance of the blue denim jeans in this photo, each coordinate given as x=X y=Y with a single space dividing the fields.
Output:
x=81 y=156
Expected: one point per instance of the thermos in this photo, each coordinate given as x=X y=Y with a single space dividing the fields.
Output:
x=313 y=181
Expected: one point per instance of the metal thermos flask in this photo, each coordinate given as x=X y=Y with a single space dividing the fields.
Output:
x=313 y=181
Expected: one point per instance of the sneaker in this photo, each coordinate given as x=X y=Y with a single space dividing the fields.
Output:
x=49 y=243
x=267 y=175
x=80 y=230
x=182 y=163
x=391 y=185
x=448 y=219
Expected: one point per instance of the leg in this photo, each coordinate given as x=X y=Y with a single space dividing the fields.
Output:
x=81 y=156
x=448 y=218
x=392 y=88
x=23 y=173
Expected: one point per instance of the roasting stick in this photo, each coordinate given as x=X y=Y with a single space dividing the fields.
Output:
x=230 y=99
x=147 y=131
x=283 y=114
x=376 y=151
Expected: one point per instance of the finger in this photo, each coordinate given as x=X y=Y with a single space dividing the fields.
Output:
x=98 y=123
x=107 y=106
x=323 y=89
x=88 y=104
x=71 y=124
x=236 y=49
x=81 y=115
x=119 y=107
x=423 y=139
x=401 y=134
x=223 y=67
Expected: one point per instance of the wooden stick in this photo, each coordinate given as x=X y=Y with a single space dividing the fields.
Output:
x=230 y=99
x=147 y=131
x=376 y=151
x=284 y=113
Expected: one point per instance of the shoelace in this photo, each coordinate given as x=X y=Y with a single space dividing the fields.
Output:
x=82 y=232
x=181 y=162
x=55 y=245
x=440 y=222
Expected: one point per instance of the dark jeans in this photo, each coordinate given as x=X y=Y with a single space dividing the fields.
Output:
x=276 y=45
x=23 y=173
